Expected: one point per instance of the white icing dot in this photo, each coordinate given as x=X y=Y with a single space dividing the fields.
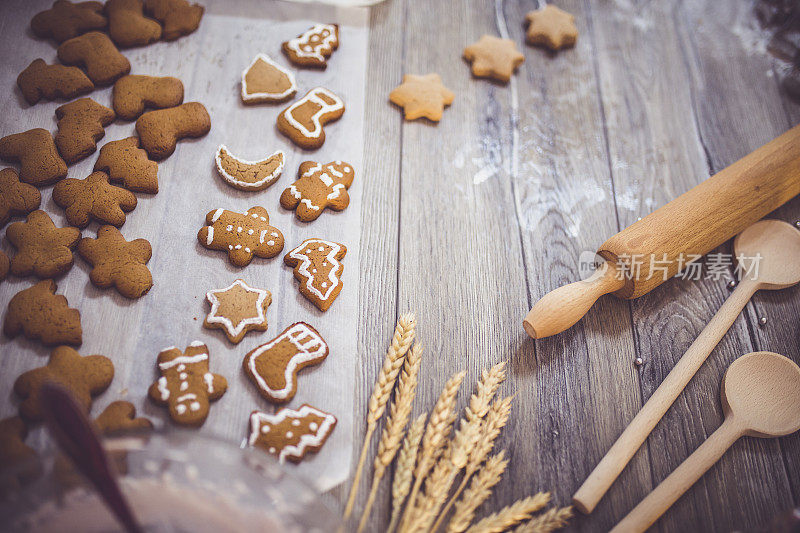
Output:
x=230 y=247
x=272 y=449
x=313 y=426
x=295 y=422
x=324 y=284
x=270 y=243
x=247 y=250
x=184 y=385
x=289 y=434
x=313 y=270
x=347 y=169
x=238 y=246
x=239 y=229
x=274 y=234
x=180 y=408
x=254 y=215
x=250 y=231
x=181 y=367
x=183 y=375
x=324 y=263
x=230 y=227
x=265 y=429
x=321 y=248
x=194 y=406
x=263 y=219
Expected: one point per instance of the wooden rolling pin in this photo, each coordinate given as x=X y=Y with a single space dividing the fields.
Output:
x=690 y=226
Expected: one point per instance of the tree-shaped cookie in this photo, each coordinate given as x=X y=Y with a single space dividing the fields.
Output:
x=318 y=267
x=289 y=433
x=93 y=198
x=39 y=161
x=39 y=313
x=118 y=263
x=42 y=248
x=16 y=198
x=81 y=124
x=125 y=162
x=319 y=186
x=66 y=20
x=242 y=235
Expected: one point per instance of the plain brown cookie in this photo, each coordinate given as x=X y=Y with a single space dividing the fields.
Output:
x=120 y=416
x=14 y=453
x=133 y=93
x=127 y=24
x=313 y=47
x=178 y=17
x=83 y=377
x=303 y=121
x=80 y=125
x=96 y=54
x=39 y=313
x=125 y=162
x=118 y=263
x=5 y=265
x=42 y=248
x=317 y=187
x=159 y=131
x=66 y=20
x=52 y=82
x=16 y=198
x=93 y=198
x=39 y=161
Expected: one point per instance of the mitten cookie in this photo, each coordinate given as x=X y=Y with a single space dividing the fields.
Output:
x=159 y=131
x=291 y=434
x=40 y=80
x=551 y=27
x=493 y=57
x=178 y=17
x=97 y=55
x=120 y=416
x=93 y=198
x=302 y=121
x=133 y=93
x=422 y=96
x=313 y=47
x=80 y=125
x=39 y=313
x=319 y=186
x=241 y=235
x=16 y=198
x=238 y=309
x=186 y=386
x=5 y=265
x=249 y=175
x=273 y=366
x=42 y=248
x=318 y=268
x=83 y=377
x=127 y=24
x=125 y=162
x=14 y=453
x=266 y=81
x=39 y=161
x=66 y=20
x=118 y=263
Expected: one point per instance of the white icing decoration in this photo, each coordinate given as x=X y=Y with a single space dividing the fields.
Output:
x=234 y=330
x=266 y=181
x=217 y=214
x=210 y=237
x=208 y=377
x=180 y=409
x=301 y=45
x=258 y=419
x=162 y=388
x=324 y=108
x=305 y=262
x=248 y=96
x=294 y=192
x=325 y=179
x=337 y=189
x=310 y=204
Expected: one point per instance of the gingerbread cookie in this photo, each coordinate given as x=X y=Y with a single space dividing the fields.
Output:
x=291 y=434
x=178 y=17
x=318 y=268
x=186 y=386
x=159 y=131
x=97 y=55
x=303 y=121
x=127 y=25
x=120 y=416
x=93 y=198
x=118 y=263
x=16 y=198
x=273 y=366
x=422 y=96
x=80 y=125
x=66 y=20
x=51 y=82
x=42 y=248
x=313 y=47
x=15 y=455
x=249 y=175
x=5 y=265
x=39 y=313
x=551 y=27
x=133 y=93
x=125 y=162
x=493 y=57
x=266 y=81
x=238 y=309
x=83 y=377
x=241 y=235
x=39 y=161
x=319 y=186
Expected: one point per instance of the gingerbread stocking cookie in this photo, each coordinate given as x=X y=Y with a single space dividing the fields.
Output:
x=302 y=121
x=241 y=235
x=291 y=434
x=319 y=186
x=318 y=268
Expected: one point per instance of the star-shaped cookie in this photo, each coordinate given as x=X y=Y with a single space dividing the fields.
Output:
x=237 y=309
x=493 y=57
x=551 y=27
x=422 y=96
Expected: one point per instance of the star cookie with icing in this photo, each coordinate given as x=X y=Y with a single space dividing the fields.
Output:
x=291 y=434
x=238 y=309
x=551 y=27
x=493 y=57
x=422 y=96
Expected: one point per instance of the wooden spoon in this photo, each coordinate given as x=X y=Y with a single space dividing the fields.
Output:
x=778 y=245
x=760 y=398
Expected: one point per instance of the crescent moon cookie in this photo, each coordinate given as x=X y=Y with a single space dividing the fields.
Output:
x=273 y=366
x=249 y=175
x=241 y=235
x=266 y=81
x=291 y=434
x=318 y=268
x=313 y=47
x=238 y=309
x=303 y=121
x=319 y=186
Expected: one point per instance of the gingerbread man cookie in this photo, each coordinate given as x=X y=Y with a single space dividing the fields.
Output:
x=266 y=81
x=51 y=82
x=273 y=366
x=318 y=268
x=127 y=24
x=313 y=47
x=120 y=416
x=42 y=248
x=97 y=55
x=93 y=198
x=422 y=96
x=238 y=309
x=133 y=93
x=241 y=235
x=291 y=434
x=493 y=57
x=66 y=20
x=303 y=121
x=551 y=27
x=118 y=263
x=249 y=175
x=159 y=131
x=80 y=125
x=39 y=161
x=16 y=198
x=186 y=386
x=178 y=17
x=125 y=162
x=319 y=186
x=15 y=455
x=39 y=313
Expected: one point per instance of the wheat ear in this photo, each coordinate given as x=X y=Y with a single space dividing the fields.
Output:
x=548 y=521
x=509 y=516
x=392 y=362
x=395 y=427
x=404 y=472
x=478 y=492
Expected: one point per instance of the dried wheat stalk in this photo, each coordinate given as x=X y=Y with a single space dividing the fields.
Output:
x=404 y=473
x=509 y=516
x=478 y=492
x=548 y=521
